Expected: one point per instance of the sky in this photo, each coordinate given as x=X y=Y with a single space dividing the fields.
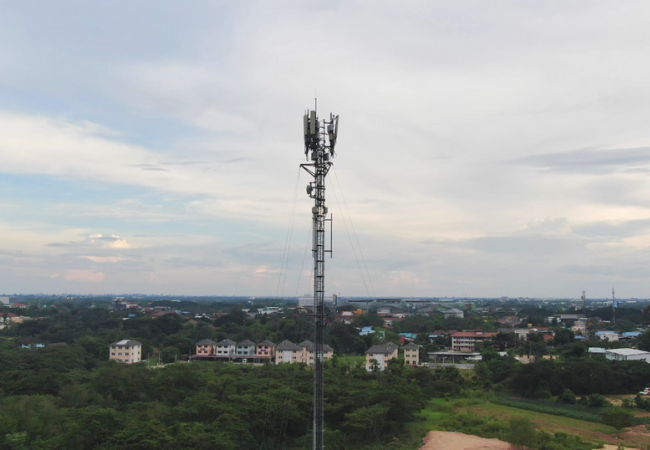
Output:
x=485 y=148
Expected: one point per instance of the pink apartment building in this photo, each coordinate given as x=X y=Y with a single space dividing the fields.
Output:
x=126 y=351
x=206 y=347
x=266 y=349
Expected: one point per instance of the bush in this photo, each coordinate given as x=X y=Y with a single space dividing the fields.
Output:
x=642 y=402
x=597 y=401
x=618 y=418
x=567 y=397
x=546 y=409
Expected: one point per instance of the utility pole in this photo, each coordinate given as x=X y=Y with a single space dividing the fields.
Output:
x=320 y=139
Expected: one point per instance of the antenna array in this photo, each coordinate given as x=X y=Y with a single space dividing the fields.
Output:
x=320 y=140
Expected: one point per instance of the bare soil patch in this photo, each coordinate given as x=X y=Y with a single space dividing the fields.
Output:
x=448 y=440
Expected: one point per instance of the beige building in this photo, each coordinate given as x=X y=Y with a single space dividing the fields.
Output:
x=382 y=354
x=465 y=341
x=126 y=351
x=412 y=354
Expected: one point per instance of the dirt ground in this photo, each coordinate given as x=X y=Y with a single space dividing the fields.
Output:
x=447 y=440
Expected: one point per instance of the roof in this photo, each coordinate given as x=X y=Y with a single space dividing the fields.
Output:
x=245 y=343
x=632 y=334
x=411 y=346
x=226 y=343
x=288 y=345
x=598 y=350
x=127 y=342
x=206 y=342
x=628 y=351
x=326 y=348
x=266 y=343
x=599 y=333
x=385 y=349
x=306 y=344
x=473 y=334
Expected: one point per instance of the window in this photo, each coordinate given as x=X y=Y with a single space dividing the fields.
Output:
x=119 y=354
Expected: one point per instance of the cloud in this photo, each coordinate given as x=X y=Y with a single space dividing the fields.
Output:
x=84 y=276
x=592 y=161
x=265 y=272
x=103 y=259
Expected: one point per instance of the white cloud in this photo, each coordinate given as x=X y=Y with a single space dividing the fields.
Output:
x=84 y=276
x=103 y=259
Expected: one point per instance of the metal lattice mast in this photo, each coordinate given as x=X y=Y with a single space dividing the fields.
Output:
x=320 y=140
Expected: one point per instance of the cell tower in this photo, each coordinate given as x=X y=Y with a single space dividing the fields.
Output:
x=613 y=307
x=584 y=303
x=320 y=139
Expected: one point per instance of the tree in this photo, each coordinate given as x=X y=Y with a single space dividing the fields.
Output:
x=618 y=418
x=521 y=432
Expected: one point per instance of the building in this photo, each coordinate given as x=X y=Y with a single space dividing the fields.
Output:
x=266 y=349
x=509 y=321
x=126 y=351
x=454 y=313
x=610 y=336
x=382 y=354
x=412 y=354
x=18 y=305
x=226 y=348
x=4 y=300
x=288 y=352
x=465 y=341
x=206 y=347
x=246 y=348
x=310 y=350
x=627 y=354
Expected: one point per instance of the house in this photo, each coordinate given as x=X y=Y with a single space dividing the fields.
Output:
x=627 y=354
x=453 y=312
x=246 y=348
x=579 y=326
x=366 y=331
x=382 y=354
x=288 y=352
x=206 y=347
x=465 y=341
x=597 y=351
x=126 y=351
x=610 y=336
x=412 y=354
x=18 y=305
x=226 y=348
x=266 y=349
x=310 y=351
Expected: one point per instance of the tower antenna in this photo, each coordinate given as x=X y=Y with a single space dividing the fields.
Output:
x=320 y=140
x=584 y=304
x=614 y=306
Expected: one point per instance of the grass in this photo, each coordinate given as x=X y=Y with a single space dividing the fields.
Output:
x=352 y=359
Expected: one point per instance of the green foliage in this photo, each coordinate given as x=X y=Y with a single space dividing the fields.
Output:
x=530 y=406
x=642 y=402
x=567 y=397
x=597 y=401
x=618 y=418
x=521 y=432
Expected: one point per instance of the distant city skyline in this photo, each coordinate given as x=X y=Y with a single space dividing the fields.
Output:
x=484 y=148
